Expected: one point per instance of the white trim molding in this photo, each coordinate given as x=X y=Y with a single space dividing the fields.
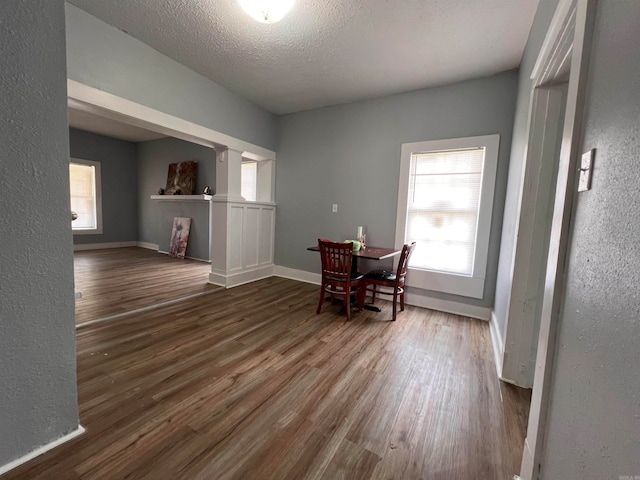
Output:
x=299 y=275
x=148 y=245
x=89 y=99
x=468 y=286
x=496 y=343
x=240 y=278
x=102 y=246
x=448 y=306
x=242 y=241
x=40 y=450
x=456 y=308
x=577 y=17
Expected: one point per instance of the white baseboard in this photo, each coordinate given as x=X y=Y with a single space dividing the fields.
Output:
x=44 y=449
x=240 y=278
x=498 y=351
x=300 y=275
x=149 y=246
x=101 y=246
x=497 y=343
x=457 y=308
x=527 y=467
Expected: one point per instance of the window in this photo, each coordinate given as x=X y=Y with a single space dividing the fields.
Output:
x=445 y=204
x=86 y=198
x=249 y=175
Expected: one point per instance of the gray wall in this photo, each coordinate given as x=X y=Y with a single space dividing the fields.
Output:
x=38 y=401
x=350 y=155
x=155 y=217
x=106 y=58
x=118 y=169
x=594 y=423
x=545 y=12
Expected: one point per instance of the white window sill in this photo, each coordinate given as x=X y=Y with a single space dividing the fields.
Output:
x=462 y=285
x=88 y=231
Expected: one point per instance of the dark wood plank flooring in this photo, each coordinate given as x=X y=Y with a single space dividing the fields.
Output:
x=120 y=280
x=249 y=383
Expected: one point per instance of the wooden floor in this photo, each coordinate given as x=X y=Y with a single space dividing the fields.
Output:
x=249 y=383
x=119 y=280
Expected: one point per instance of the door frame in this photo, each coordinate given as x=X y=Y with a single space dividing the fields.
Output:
x=528 y=261
x=568 y=40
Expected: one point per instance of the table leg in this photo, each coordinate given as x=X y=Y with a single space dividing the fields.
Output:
x=354 y=270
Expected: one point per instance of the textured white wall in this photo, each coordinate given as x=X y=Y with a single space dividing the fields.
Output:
x=594 y=423
x=38 y=400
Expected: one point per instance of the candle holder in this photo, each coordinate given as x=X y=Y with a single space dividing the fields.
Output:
x=361 y=236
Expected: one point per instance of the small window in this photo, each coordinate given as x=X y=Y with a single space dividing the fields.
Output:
x=86 y=199
x=443 y=207
x=445 y=204
x=249 y=175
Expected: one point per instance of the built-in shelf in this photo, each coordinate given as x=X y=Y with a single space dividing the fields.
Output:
x=182 y=198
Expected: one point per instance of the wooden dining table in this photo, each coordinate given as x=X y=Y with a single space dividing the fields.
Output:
x=370 y=253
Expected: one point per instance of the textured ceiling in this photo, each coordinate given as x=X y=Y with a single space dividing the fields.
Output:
x=329 y=52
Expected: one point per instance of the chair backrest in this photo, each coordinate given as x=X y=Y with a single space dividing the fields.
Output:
x=336 y=259
x=403 y=263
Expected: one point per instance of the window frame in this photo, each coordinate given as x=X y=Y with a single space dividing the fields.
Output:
x=457 y=284
x=98 y=197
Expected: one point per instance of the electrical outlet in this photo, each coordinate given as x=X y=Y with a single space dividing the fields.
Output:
x=334 y=208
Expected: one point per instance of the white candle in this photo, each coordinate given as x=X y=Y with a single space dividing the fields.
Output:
x=359 y=236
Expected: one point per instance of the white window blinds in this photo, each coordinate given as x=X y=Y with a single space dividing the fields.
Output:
x=443 y=208
x=249 y=176
x=83 y=196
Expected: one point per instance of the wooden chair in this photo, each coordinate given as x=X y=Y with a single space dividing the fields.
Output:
x=337 y=278
x=392 y=283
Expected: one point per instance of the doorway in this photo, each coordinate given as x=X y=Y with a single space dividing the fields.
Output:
x=563 y=58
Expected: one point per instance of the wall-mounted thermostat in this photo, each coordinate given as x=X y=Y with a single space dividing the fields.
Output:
x=586 y=168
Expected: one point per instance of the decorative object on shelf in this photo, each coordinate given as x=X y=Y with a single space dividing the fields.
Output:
x=178 y=192
x=207 y=190
x=161 y=191
x=181 y=176
x=74 y=216
x=179 y=237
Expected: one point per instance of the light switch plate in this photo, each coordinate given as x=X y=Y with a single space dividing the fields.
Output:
x=586 y=169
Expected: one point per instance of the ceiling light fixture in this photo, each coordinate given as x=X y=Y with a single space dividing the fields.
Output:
x=267 y=11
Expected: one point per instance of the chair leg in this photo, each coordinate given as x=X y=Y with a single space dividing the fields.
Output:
x=395 y=305
x=347 y=304
x=322 y=294
x=361 y=293
x=373 y=296
x=402 y=302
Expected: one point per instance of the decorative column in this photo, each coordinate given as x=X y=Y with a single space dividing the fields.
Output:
x=242 y=233
x=228 y=174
